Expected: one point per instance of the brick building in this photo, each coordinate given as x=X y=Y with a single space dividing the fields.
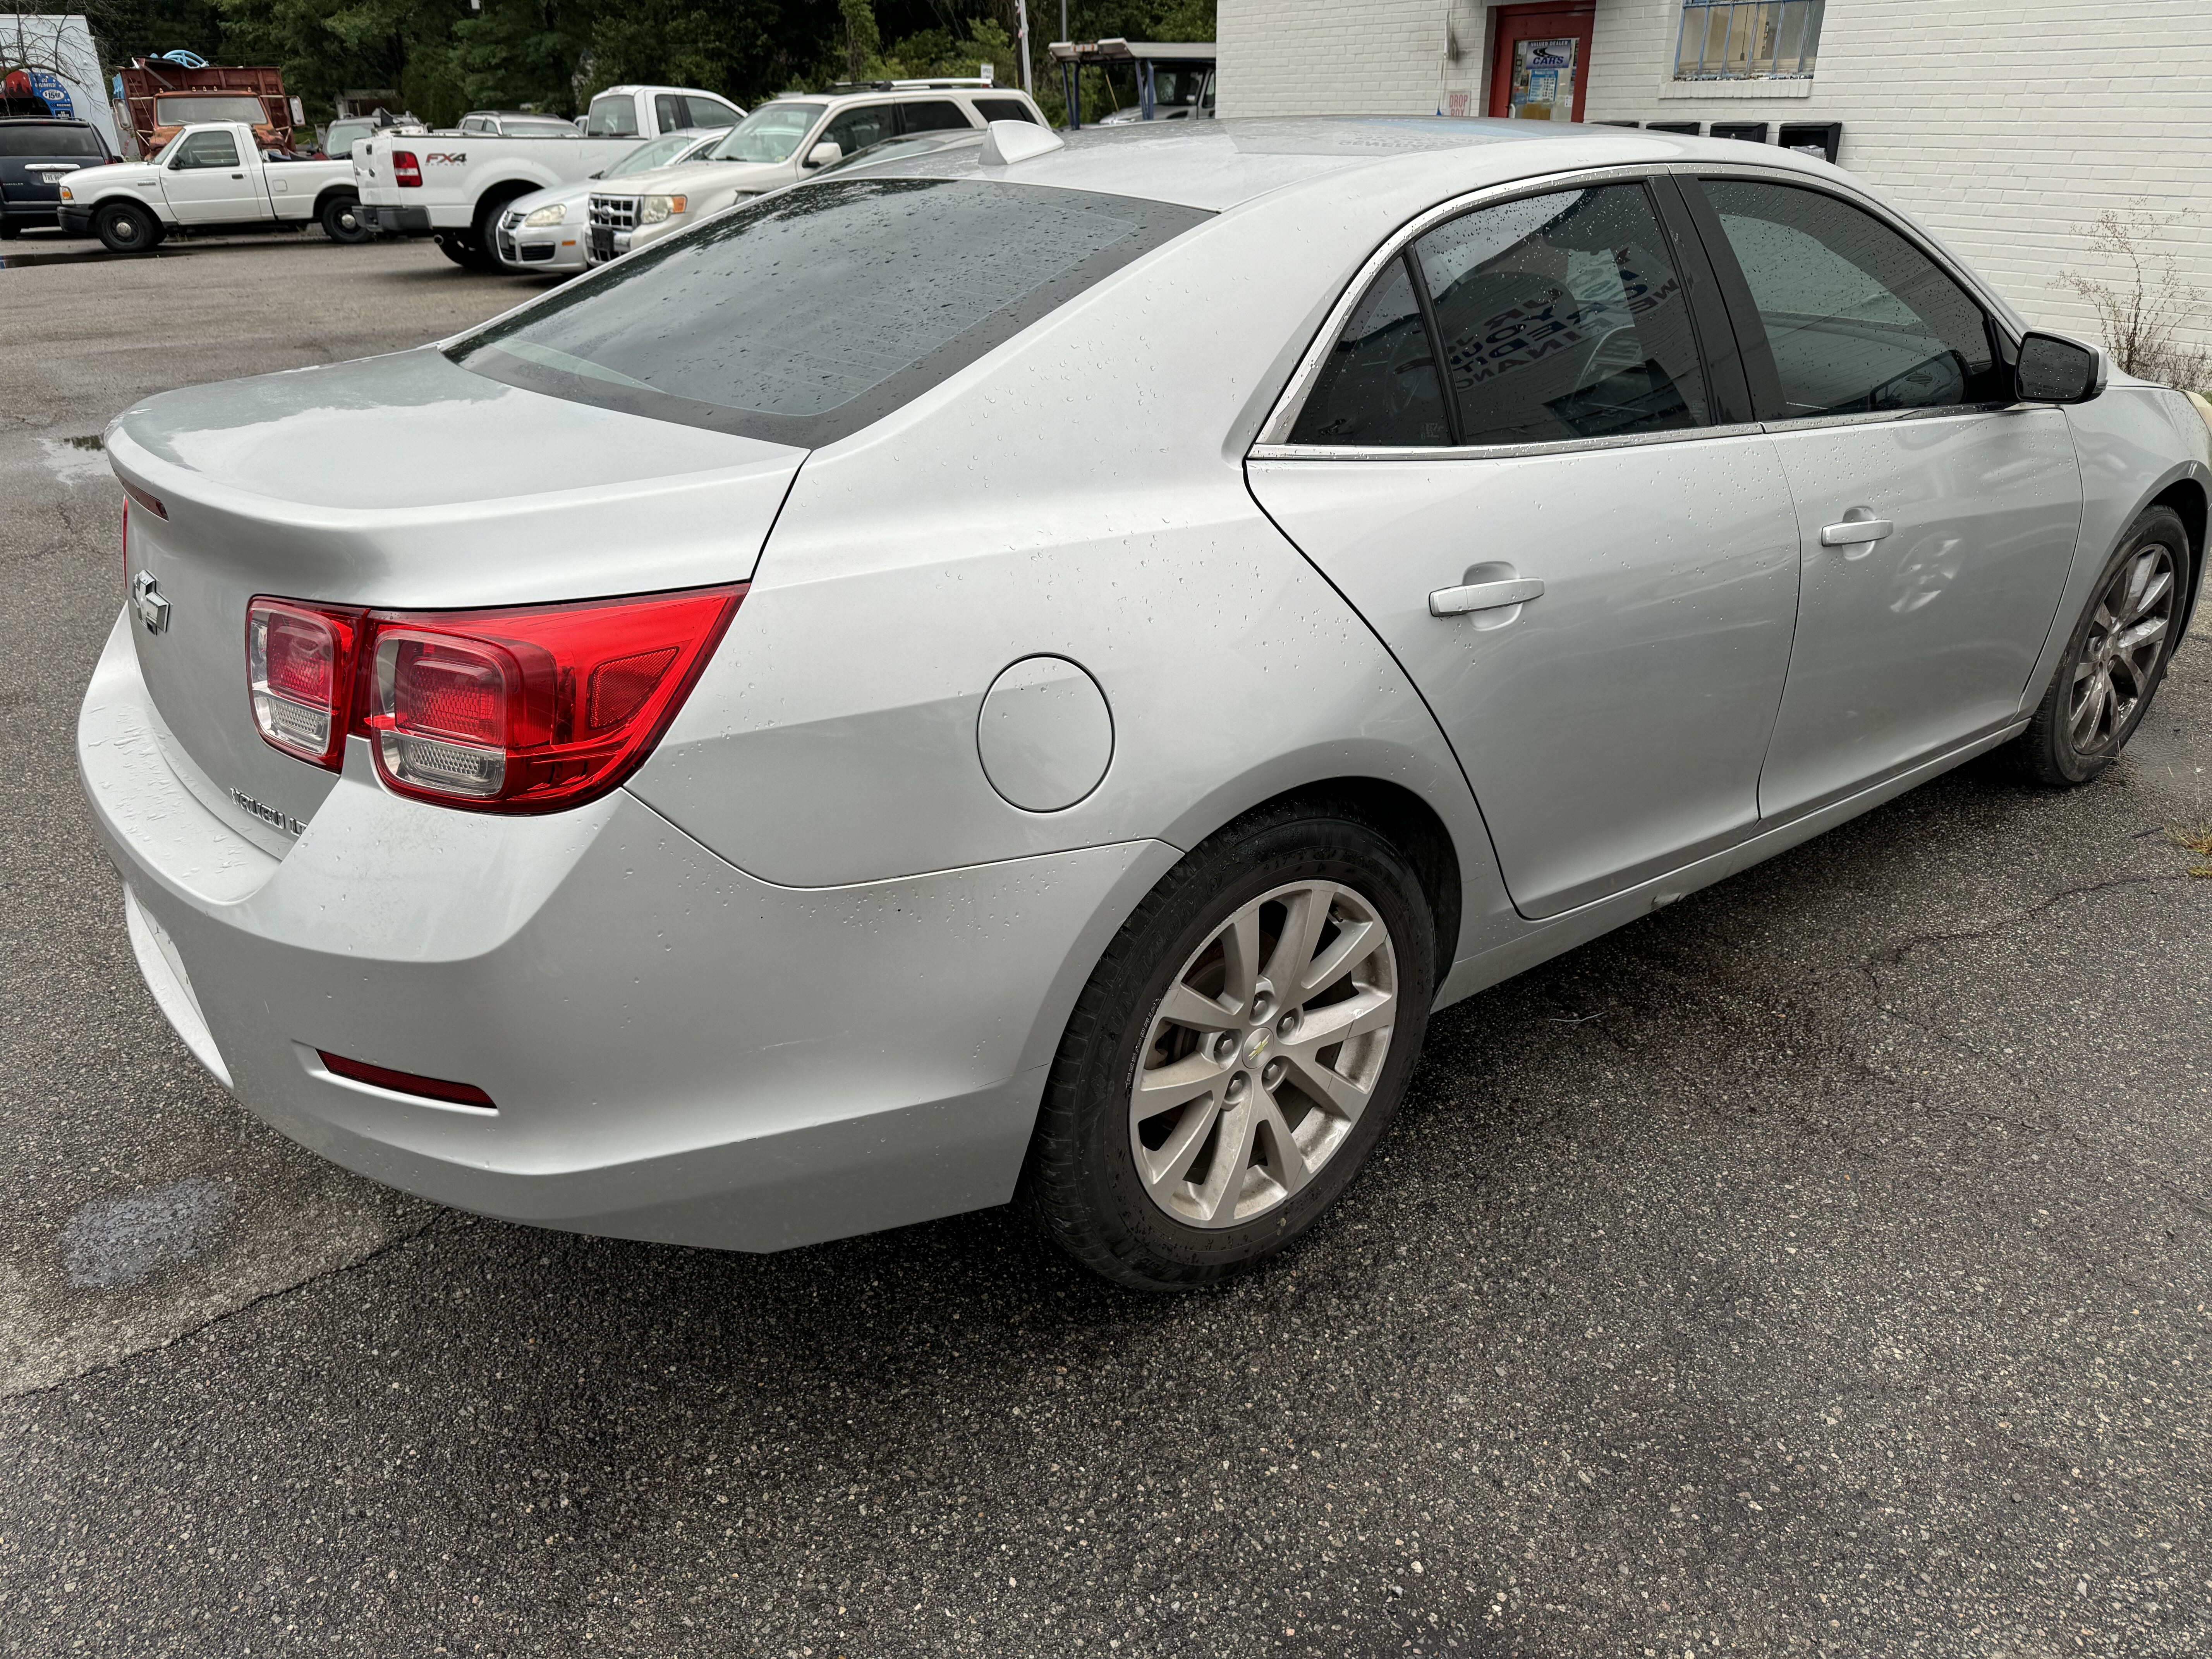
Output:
x=2007 y=129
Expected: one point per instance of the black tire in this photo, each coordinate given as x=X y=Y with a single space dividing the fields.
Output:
x=456 y=247
x=1082 y=1178
x=8 y=232
x=126 y=227
x=342 y=221
x=2070 y=741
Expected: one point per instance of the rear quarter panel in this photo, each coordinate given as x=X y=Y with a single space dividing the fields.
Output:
x=1079 y=493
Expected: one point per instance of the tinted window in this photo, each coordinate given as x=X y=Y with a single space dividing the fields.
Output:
x=52 y=141
x=1379 y=385
x=934 y=115
x=857 y=128
x=206 y=149
x=708 y=112
x=813 y=311
x=1003 y=109
x=1561 y=317
x=613 y=115
x=1858 y=319
x=769 y=134
x=668 y=110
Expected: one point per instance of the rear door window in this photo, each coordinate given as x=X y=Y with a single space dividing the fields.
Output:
x=933 y=115
x=1003 y=109
x=1560 y=316
x=669 y=111
x=813 y=311
x=1859 y=320
x=709 y=112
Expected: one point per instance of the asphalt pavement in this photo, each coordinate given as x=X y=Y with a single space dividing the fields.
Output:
x=1819 y=1266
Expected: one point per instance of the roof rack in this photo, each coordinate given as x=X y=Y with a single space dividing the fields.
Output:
x=944 y=82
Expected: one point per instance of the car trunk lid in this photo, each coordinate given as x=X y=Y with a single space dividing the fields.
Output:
x=399 y=482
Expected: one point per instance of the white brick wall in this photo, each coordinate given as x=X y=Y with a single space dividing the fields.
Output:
x=2007 y=129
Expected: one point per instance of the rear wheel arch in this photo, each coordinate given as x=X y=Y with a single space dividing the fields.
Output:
x=496 y=196
x=1406 y=820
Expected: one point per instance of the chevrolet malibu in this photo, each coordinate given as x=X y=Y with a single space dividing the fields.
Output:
x=1034 y=669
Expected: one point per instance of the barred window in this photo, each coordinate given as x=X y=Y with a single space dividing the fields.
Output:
x=1748 y=39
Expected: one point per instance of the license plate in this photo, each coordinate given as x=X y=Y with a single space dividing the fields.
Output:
x=603 y=243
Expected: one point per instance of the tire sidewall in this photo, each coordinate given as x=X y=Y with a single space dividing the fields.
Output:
x=104 y=226
x=332 y=216
x=1145 y=1238
x=2161 y=524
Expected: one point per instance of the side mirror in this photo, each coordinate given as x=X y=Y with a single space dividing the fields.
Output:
x=601 y=173
x=823 y=154
x=2053 y=369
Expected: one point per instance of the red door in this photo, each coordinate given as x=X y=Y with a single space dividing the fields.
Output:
x=1540 y=68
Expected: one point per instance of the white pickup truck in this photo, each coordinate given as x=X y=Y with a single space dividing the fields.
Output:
x=453 y=186
x=209 y=178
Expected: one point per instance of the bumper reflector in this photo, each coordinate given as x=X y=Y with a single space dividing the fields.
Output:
x=406 y=1083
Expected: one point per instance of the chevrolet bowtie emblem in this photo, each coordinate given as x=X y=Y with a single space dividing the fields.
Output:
x=146 y=599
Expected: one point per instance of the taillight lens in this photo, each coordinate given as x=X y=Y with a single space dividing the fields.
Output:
x=405 y=169
x=521 y=710
x=299 y=671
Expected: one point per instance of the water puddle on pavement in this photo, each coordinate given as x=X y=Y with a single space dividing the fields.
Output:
x=119 y=1241
x=74 y=459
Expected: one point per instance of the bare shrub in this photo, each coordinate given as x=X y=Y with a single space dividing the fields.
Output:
x=2144 y=314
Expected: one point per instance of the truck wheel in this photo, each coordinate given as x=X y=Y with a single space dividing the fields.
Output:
x=9 y=233
x=455 y=246
x=125 y=227
x=342 y=221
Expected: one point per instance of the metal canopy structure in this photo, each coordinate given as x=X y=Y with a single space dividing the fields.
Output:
x=1144 y=56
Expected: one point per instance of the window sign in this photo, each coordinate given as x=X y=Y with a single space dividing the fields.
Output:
x=1748 y=39
x=1544 y=80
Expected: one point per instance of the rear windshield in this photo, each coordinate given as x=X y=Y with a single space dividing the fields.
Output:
x=613 y=116
x=816 y=311
x=51 y=141
x=177 y=112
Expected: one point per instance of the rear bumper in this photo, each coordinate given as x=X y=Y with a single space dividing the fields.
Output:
x=676 y=1050
x=395 y=220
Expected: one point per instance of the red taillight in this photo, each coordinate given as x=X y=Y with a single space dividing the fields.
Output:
x=520 y=710
x=300 y=671
x=146 y=499
x=405 y=169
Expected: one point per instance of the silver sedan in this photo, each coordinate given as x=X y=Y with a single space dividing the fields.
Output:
x=1032 y=670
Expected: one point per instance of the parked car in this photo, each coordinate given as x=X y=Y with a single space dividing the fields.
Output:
x=456 y=188
x=785 y=140
x=544 y=233
x=36 y=154
x=1037 y=666
x=208 y=178
x=515 y=123
x=342 y=135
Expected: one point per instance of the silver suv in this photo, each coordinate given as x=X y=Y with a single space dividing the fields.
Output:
x=785 y=140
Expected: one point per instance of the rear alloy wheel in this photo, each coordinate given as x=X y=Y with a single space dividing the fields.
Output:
x=342 y=220
x=125 y=227
x=1237 y=1053
x=2115 y=657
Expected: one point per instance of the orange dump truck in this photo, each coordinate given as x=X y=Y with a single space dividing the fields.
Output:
x=164 y=97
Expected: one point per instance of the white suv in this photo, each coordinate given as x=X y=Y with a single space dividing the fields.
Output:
x=785 y=140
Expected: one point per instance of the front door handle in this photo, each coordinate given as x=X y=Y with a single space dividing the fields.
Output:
x=1856 y=532
x=1483 y=596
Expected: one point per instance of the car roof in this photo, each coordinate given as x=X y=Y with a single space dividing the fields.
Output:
x=1219 y=164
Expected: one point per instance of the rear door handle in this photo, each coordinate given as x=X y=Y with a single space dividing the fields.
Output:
x=1484 y=596
x=1854 y=533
